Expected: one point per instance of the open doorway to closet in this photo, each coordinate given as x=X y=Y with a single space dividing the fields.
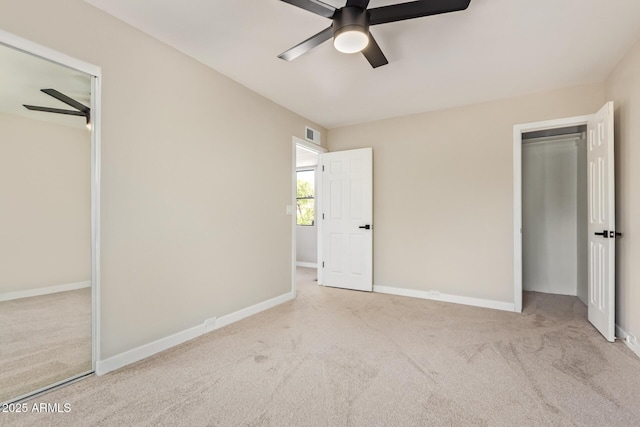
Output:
x=306 y=227
x=554 y=211
x=540 y=251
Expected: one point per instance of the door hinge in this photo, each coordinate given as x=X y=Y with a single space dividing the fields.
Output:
x=322 y=168
x=322 y=216
x=322 y=264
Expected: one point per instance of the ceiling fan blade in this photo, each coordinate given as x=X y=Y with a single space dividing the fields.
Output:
x=307 y=45
x=374 y=54
x=357 y=3
x=54 y=110
x=69 y=101
x=314 y=6
x=414 y=9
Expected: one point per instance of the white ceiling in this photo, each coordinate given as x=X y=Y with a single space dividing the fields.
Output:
x=495 y=49
x=23 y=75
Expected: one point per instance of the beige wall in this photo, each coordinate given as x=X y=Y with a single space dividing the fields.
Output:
x=307 y=244
x=45 y=234
x=623 y=87
x=443 y=191
x=187 y=156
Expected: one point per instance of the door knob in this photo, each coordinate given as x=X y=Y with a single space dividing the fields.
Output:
x=604 y=234
x=366 y=227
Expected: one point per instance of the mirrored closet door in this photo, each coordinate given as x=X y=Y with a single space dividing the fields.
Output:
x=46 y=292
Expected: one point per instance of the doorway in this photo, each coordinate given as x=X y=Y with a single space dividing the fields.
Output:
x=344 y=212
x=306 y=244
x=554 y=212
x=601 y=229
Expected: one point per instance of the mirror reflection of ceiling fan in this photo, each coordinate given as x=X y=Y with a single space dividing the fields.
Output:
x=350 y=24
x=79 y=109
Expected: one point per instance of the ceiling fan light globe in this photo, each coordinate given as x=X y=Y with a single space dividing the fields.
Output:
x=351 y=41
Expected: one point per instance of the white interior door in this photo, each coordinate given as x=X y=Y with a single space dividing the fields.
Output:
x=347 y=213
x=601 y=228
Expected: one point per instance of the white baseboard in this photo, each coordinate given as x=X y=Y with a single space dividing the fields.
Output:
x=7 y=296
x=306 y=264
x=144 y=351
x=437 y=296
x=131 y=356
x=629 y=340
x=254 y=309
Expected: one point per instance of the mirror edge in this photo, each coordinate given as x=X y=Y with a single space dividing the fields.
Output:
x=16 y=42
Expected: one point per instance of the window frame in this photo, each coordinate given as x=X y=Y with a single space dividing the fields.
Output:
x=313 y=169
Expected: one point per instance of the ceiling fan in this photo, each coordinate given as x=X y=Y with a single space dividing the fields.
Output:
x=350 y=24
x=80 y=109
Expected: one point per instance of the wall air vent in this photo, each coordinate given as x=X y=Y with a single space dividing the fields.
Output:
x=312 y=135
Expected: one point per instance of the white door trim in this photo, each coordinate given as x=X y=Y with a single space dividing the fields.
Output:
x=32 y=48
x=29 y=47
x=319 y=150
x=518 y=130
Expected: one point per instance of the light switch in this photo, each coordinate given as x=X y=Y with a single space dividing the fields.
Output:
x=289 y=210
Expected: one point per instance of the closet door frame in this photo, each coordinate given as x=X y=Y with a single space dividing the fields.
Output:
x=18 y=43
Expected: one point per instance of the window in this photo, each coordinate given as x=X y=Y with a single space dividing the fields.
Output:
x=306 y=203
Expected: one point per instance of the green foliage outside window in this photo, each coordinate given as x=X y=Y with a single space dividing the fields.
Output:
x=306 y=203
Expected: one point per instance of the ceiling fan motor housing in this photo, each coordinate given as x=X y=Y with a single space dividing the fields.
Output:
x=350 y=18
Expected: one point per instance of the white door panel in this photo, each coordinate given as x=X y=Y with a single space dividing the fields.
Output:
x=347 y=183
x=601 y=228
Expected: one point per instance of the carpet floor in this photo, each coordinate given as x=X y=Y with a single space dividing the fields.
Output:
x=333 y=357
x=43 y=340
